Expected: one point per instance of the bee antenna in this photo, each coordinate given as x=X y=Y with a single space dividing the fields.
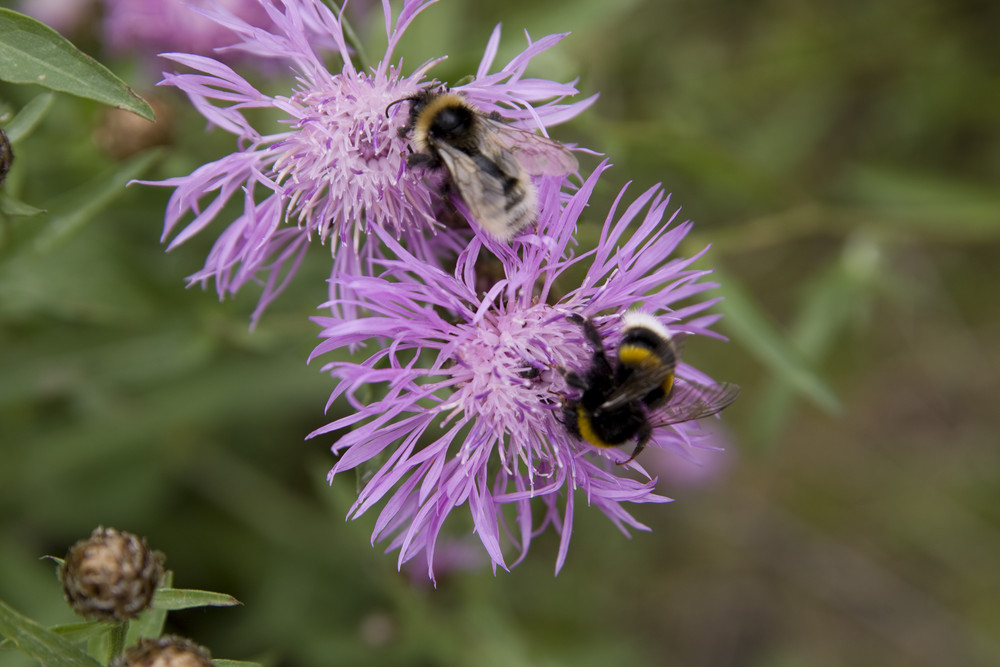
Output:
x=401 y=99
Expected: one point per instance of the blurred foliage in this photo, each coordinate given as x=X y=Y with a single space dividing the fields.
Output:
x=31 y=52
x=841 y=158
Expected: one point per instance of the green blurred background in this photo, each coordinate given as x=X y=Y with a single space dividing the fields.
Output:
x=843 y=160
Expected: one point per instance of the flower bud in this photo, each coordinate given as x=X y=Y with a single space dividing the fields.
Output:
x=6 y=156
x=111 y=576
x=167 y=651
x=122 y=134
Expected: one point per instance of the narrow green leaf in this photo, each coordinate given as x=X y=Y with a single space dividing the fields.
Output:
x=43 y=645
x=84 y=203
x=11 y=206
x=829 y=307
x=930 y=204
x=82 y=632
x=751 y=328
x=30 y=115
x=234 y=663
x=103 y=646
x=151 y=621
x=32 y=52
x=183 y=598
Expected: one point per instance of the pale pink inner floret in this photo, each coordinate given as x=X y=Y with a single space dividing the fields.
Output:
x=345 y=158
x=496 y=362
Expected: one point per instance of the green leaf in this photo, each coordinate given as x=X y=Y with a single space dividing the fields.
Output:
x=55 y=559
x=829 y=307
x=183 y=598
x=43 y=645
x=234 y=663
x=151 y=621
x=11 y=206
x=82 y=632
x=932 y=204
x=32 y=52
x=84 y=203
x=30 y=115
x=105 y=646
x=749 y=326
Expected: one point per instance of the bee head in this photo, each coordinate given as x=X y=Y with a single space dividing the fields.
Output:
x=418 y=101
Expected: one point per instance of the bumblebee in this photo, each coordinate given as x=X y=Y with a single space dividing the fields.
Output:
x=489 y=163
x=626 y=399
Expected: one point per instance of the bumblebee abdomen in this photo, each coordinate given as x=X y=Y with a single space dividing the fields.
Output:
x=659 y=395
x=610 y=428
x=632 y=354
x=640 y=342
x=584 y=427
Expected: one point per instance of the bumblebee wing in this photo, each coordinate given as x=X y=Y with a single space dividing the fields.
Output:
x=692 y=401
x=482 y=190
x=655 y=370
x=643 y=379
x=538 y=155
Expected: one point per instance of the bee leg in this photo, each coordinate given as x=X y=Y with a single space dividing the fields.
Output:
x=590 y=331
x=572 y=379
x=422 y=159
x=645 y=433
x=569 y=419
x=529 y=373
x=446 y=188
x=495 y=115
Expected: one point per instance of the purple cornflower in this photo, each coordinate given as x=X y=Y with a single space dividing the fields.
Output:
x=339 y=171
x=65 y=16
x=147 y=27
x=471 y=377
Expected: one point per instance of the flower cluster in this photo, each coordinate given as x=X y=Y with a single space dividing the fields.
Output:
x=474 y=344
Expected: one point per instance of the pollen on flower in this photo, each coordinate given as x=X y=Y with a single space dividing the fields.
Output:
x=344 y=163
x=507 y=368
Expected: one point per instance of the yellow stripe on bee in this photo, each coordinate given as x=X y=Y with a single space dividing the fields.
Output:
x=634 y=355
x=423 y=123
x=668 y=384
x=586 y=429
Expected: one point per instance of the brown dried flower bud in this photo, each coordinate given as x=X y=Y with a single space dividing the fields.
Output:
x=167 y=651
x=111 y=576
x=123 y=134
x=6 y=156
